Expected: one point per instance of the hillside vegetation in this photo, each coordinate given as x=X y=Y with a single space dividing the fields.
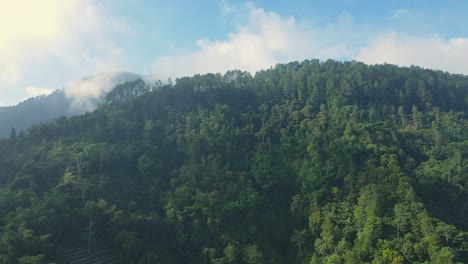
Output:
x=311 y=162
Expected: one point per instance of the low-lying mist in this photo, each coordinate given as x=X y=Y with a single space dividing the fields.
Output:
x=87 y=93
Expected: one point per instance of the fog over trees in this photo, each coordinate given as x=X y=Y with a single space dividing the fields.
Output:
x=77 y=97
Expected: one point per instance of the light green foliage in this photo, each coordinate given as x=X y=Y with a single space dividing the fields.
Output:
x=38 y=259
x=252 y=254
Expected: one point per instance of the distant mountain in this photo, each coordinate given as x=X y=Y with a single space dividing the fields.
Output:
x=76 y=98
x=33 y=110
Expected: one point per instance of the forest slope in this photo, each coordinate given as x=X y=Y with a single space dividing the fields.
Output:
x=311 y=162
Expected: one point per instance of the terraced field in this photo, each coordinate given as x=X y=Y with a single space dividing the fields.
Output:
x=77 y=253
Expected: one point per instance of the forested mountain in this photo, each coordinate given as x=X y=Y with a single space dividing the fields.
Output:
x=46 y=108
x=311 y=162
x=33 y=111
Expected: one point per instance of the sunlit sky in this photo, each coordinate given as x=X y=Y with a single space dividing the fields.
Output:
x=46 y=44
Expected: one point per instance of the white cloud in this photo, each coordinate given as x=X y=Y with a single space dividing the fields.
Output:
x=36 y=91
x=400 y=13
x=266 y=39
x=72 y=37
x=226 y=8
x=429 y=52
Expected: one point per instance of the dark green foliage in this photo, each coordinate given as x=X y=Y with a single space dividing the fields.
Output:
x=312 y=162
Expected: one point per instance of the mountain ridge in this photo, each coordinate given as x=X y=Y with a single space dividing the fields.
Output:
x=306 y=162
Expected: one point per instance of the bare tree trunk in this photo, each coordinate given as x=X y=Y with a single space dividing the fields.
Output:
x=90 y=230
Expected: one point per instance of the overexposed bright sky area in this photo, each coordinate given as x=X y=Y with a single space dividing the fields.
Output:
x=49 y=44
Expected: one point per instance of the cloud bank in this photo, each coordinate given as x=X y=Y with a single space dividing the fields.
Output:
x=429 y=52
x=36 y=91
x=266 y=39
x=70 y=39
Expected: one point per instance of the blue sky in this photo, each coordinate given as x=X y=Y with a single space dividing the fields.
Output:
x=53 y=43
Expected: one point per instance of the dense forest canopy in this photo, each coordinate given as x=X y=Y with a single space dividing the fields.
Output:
x=306 y=162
